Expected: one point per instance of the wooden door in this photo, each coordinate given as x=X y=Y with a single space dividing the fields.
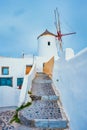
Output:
x=28 y=68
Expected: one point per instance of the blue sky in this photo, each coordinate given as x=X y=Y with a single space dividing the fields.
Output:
x=21 y=21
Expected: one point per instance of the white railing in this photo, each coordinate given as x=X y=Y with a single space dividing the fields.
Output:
x=26 y=85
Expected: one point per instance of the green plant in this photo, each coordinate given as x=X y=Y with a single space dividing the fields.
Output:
x=29 y=92
x=23 y=106
x=15 y=117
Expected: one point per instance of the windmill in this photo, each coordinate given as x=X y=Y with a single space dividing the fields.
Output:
x=59 y=35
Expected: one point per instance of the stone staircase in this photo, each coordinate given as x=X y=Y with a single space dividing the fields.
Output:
x=46 y=111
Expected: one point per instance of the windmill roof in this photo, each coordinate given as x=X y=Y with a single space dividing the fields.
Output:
x=46 y=33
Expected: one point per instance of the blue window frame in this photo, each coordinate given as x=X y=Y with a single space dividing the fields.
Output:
x=19 y=81
x=6 y=82
x=5 y=70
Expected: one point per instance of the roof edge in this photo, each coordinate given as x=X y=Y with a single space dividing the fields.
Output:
x=46 y=32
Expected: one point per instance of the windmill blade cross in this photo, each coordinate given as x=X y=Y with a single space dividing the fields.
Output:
x=56 y=20
x=68 y=34
x=58 y=28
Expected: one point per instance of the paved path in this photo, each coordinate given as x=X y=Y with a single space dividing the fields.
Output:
x=5 y=117
x=44 y=114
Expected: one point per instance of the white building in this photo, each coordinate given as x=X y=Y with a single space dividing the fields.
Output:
x=13 y=70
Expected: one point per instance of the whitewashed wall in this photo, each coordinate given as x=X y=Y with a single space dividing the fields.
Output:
x=9 y=96
x=70 y=78
x=16 y=67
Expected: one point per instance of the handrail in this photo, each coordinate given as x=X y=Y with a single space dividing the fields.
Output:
x=26 y=85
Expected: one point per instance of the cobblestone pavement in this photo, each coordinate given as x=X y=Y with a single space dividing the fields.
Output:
x=5 y=118
x=42 y=110
x=5 y=124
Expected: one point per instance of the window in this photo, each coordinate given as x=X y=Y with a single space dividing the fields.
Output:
x=5 y=70
x=19 y=81
x=6 y=81
x=48 y=43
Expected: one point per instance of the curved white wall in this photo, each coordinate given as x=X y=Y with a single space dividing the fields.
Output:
x=9 y=96
x=70 y=79
x=45 y=50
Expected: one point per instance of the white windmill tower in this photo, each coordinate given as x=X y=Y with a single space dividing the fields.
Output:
x=47 y=45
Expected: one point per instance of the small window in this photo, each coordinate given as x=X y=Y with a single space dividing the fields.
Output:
x=19 y=81
x=48 y=43
x=5 y=70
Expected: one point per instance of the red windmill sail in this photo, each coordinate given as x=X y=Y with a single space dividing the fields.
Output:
x=58 y=28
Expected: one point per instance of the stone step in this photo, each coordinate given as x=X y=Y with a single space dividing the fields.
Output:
x=44 y=98
x=39 y=80
x=43 y=114
x=43 y=75
x=6 y=115
x=44 y=89
x=42 y=78
x=50 y=98
x=22 y=127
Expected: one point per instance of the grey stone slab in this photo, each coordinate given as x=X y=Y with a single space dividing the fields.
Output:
x=41 y=123
x=50 y=98
x=57 y=124
x=46 y=123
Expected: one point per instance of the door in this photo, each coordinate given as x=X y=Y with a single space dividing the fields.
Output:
x=28 y=68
